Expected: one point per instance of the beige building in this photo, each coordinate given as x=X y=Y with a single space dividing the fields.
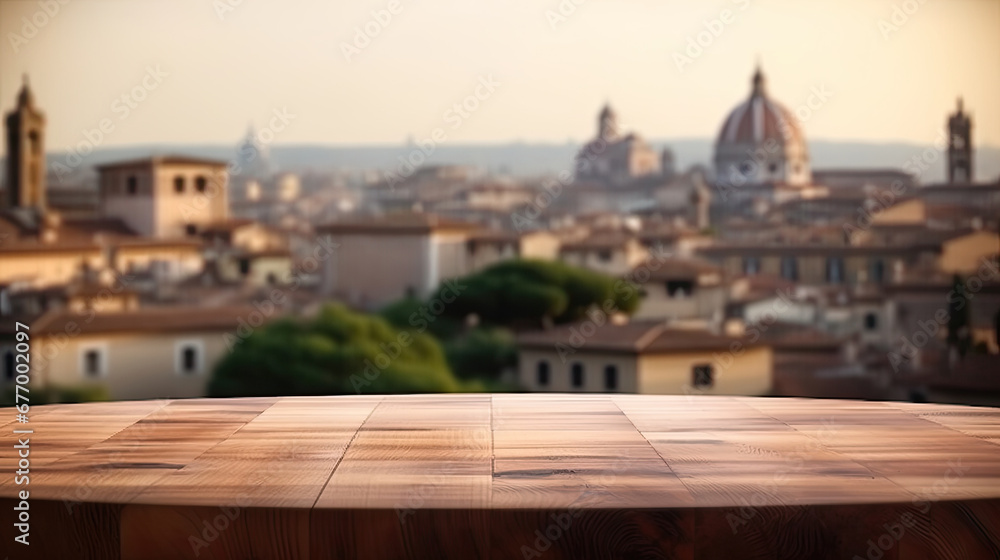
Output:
x=165 y=196
x=134 y=354
x=146 y=207
x=255 y=268
x=377 y=260
x=609 y=252
x=641 y=357
x=487 y=248
x=680 y=288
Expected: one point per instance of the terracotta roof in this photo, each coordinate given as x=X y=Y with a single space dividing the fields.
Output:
x=394 y=224
x=805 y=250
x=225 y=226
x=679 y=268
x=760 y=118
x=160 y=160
x=599 y=240
x=637 y=337
x=149 y=242
x=166 y=319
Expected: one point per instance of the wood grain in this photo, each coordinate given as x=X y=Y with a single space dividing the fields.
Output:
x=508 y=476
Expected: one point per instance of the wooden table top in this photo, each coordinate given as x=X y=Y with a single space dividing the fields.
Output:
x=506 y=451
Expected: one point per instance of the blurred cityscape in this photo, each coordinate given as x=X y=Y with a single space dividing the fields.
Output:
x=148 y=273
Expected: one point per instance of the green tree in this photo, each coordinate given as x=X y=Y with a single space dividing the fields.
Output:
x=526 y=293
x=337 y=352
x=482 y=354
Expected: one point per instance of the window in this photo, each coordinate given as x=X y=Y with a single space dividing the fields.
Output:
x=611 y=378
x=272 y=278
x=576 y=375
x=93 y=361
x=704 y=376
x=789 y=268
x=245 y=267
x=189 y=357
x=871 y=321
x=178 y=184
x=679 y=288
x=132 y=185
x=604 y=255
x=200 y=183
x=878 y=271
x=8 y=366
x=751 y=266
x=773 y=168
x=191 y=229
x=835 y=270
x=542 y=374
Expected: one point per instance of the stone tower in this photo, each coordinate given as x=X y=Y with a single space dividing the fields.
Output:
x=607 y=124
x=959 y=146
x=26 y=154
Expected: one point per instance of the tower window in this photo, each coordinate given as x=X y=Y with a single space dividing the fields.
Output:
x=132 y=185
x=576 y=375
x=178 y=184
x=200 y=183
x=36 y=143
x=542 y=374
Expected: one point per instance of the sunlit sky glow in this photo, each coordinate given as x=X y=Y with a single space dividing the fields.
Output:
x=264 y=55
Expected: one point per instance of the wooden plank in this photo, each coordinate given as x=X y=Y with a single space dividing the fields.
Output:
x=417 y=452
x=481 y=476
x=281 y=458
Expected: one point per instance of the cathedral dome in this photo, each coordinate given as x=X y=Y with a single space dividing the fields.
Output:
x=760 y=141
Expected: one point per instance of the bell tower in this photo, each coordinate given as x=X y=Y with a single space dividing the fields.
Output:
x=26 y=154
x=607 y=124
x=959 y=146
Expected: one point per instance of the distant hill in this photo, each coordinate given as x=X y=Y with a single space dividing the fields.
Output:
x=526 y=159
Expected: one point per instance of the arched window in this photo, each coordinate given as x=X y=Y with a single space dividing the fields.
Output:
x=542 y=374
x=200 y=183
x=178 y=184
x=611 y=378
x=576 y=375
x=132 y=185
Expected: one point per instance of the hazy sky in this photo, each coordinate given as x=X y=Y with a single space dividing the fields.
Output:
x=227 y=62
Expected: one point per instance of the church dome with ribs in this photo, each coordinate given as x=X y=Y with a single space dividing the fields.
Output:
x=761 y=142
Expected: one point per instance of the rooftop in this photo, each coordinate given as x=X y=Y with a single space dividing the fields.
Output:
x=638 y=337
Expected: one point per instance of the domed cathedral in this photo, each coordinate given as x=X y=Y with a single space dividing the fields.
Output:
x=613 y=159
x=761 y=142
